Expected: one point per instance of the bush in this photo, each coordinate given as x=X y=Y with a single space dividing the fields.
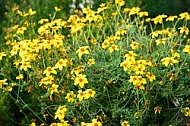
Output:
x=103 y=68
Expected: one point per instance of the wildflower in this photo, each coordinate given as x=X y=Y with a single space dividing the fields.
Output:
x=150 y=76
x=120 y=32
x=2 y=54
x=85 y=124
x=31 y=12
x=157 y=109
x=20 y=76
x=120 y=2
x=3 y=82
x=168 y=61
x=138 y=81
x=60 y=113
x=134 y=10
x=61 y=63
x=161 y=41
x=25 y=65
x=77 y=70
x=105 y=44
x=57 y=9
x=131 y=55
x=70 y=96
x=49 y=70
x=21 y=30
x=139 y=69
x=41 y=21
x=54 y=88
x=187 y=111
x=187 y=49
x=113 y=47
x=127 y=65
x=141 y=14
x=80 y=95
x=174 y=53
x=82 y=50
x=185 y=16
x=126 y=10
x=96 y=123
x=159 y=19
x=134 y=45
x=125 y=123
x=161 y=82
x=147 y=19
x=46 y=80
x=184 y=29
x=33 y=124
x=89 y=93
x=171 y=18
x=81 y=80
x=91 y=62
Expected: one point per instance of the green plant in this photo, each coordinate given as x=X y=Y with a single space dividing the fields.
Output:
x=99 y=69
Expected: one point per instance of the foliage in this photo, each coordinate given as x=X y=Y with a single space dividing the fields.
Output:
x=99 y=68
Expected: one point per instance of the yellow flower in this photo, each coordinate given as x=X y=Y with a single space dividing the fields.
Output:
x=70 y=96
x=147 y=19
x=150 y=76
x=127 y=65
x=171 y=18
x=187 y=111
x=57 y=9
x=120 y=32
x=81 y=80
x=54 y=88
x=31 y=12
x=126 y=10
x=159 y=19
x=20 y=76
x=187 y=49
x=184 y=29
x=141 y=14
x=80 y=95
x=77 y=70
x=25 y=65
x=112 y=48
x=33 y=124
x=125 y=123
x=130 y=55
x=49 y=70
x=120 y=2
x=138 y=81
x=134 y=10
x=161 y=41
x=3 y=82
x=134 y=45
x=105 y=44
x=60 y=113
x=21 y=30
x=168 y=61
x=157 y=109
x=2 y=54
x=185 y=16
x=139 y=69
x=89 y=93
x=61 y=63
x=96 y=123
x=174 y=53
x=91 y=62
x=82 y=50
x=41 y=21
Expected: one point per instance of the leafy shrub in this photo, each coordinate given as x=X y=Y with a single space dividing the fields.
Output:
x=103 y=68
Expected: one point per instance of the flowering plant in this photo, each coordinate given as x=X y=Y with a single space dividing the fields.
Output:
x=104 y=68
